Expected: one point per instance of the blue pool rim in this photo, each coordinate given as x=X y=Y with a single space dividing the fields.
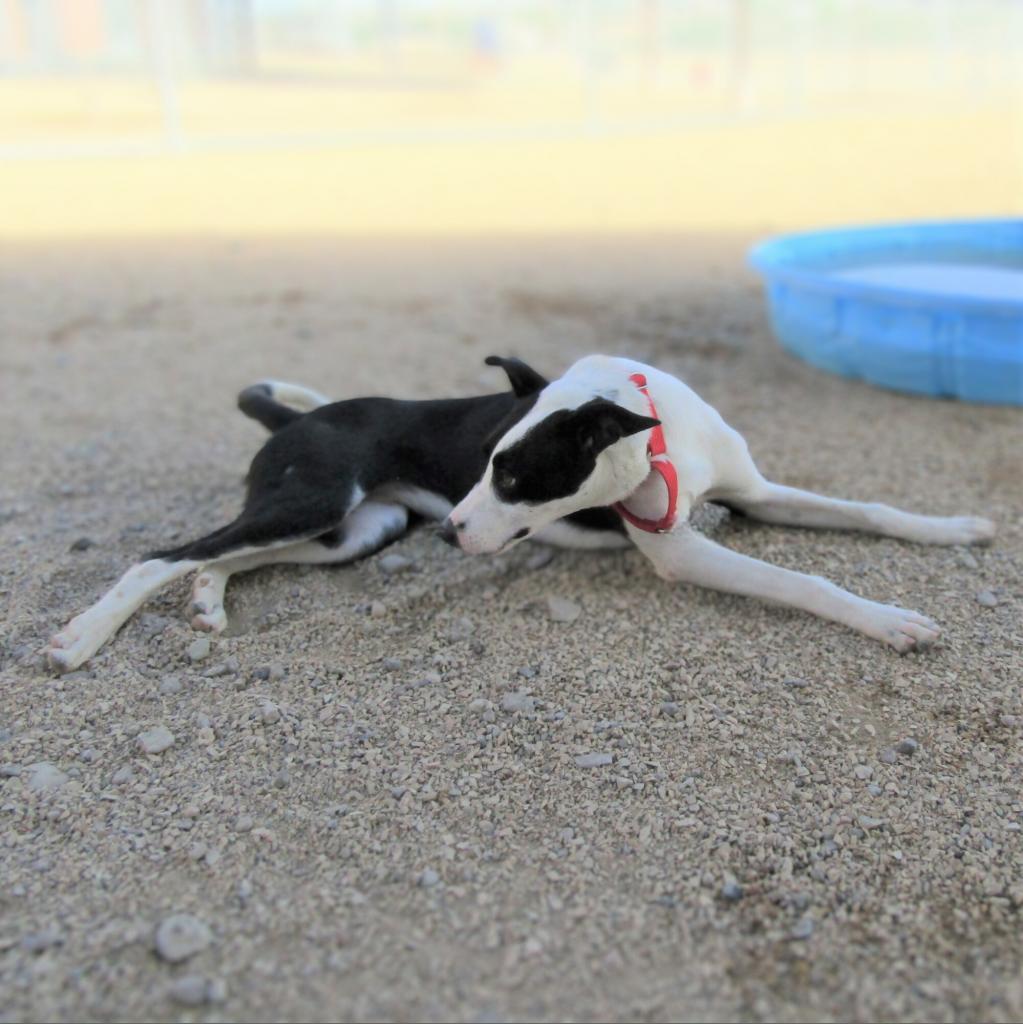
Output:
x=947 y=345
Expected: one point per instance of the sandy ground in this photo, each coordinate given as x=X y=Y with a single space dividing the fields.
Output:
x=349 y=806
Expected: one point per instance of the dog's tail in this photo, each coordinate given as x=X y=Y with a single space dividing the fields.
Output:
x=259 y=402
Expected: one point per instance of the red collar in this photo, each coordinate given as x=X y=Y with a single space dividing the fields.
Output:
x=657 y=453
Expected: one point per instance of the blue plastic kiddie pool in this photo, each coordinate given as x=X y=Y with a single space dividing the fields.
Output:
x=931 y=308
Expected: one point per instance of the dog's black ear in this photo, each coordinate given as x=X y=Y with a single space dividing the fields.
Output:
x=600 y=423
x=524 y=379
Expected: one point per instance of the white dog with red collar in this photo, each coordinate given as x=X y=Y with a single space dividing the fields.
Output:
x=614 y=432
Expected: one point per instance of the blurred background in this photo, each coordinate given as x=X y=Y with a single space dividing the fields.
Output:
x=157 y=117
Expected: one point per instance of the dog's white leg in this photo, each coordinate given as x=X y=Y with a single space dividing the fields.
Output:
x=687 y=556
x=209 y=587
x=295 y=396
x=85 y=634
x=788 y=506
x=365 y=529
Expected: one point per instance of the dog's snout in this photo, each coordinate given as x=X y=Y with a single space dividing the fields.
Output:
x=449 y=531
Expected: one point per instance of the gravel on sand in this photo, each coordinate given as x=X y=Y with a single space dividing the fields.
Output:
x=368 y=810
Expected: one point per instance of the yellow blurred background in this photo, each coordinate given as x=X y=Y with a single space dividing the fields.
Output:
x=256 y=117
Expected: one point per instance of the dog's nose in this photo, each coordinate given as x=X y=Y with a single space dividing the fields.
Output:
x=449 y=533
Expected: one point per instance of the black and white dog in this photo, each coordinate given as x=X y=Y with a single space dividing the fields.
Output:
x=613 y=432
x=336 y=481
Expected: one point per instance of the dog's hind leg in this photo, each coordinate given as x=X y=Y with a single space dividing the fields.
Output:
x=369 y=527
x=85 y=634
x=788 y=506
x=253 y=532
x=687 y=556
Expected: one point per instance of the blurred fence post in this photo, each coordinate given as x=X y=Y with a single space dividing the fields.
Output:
x=586 y=44
x=798 y=40
x=161 y=57
x=741 y=30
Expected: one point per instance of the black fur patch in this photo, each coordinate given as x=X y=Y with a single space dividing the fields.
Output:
x=556 y=456
x=304 y=480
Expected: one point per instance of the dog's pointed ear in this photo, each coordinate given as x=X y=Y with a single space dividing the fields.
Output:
x=524 y=379
x=601 y=423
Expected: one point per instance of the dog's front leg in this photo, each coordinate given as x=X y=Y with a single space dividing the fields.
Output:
x=689 y=557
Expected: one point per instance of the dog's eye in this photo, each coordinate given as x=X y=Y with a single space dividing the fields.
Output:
x=504 y=480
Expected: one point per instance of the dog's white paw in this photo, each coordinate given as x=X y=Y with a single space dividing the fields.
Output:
x=900 y=628
x=963 y=530
x=69 y=649
x=208 y=605
x=213 y=620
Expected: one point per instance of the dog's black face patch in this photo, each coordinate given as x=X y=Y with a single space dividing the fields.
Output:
x=554 y=458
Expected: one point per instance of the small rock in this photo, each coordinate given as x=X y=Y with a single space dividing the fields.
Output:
x=428 y=879
x=526 y=672
x=83 y=544
x=378 y=609
x=277 y=672
x=461 y=629
x=244 y=823
x=263 y=672
x=669 y=708
x=987 y=599
x=87 y=756
x=869 y=823
x=44 y=777
x=561 y=609
x=269 y=713
x=391 y=664
x=863 y=772
x=518 y=702
x=731 y=892
x=123 y=776
x=181 y=936
x=190 y=990
x=156 y=740
x=394 y=563
x=907 y=746
x=802 y=930
x=967 y=560
x=796 y=684
x=888 y=755
x=152 y=625
x=282 y=779
x=593 y=760
x=216 y=990
x=170 y=685
x=39 y=942
x=12 y=771
x=198 y=649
